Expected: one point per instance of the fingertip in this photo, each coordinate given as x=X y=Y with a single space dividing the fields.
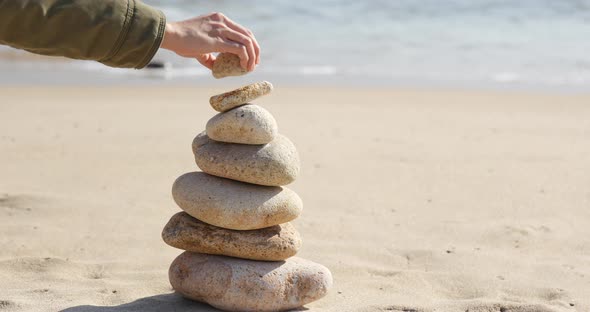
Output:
x=209 y=65
x=207 y=60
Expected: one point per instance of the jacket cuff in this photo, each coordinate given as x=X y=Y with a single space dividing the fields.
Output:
x=140 y=38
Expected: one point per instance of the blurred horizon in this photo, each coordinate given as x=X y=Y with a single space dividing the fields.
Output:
x=461 y=43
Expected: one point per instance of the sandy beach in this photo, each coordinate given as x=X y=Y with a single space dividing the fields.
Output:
x=416 y=200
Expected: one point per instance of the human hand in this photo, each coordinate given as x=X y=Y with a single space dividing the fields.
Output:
x=199 y=37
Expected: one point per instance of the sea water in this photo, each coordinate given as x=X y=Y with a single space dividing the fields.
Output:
x=533 y=43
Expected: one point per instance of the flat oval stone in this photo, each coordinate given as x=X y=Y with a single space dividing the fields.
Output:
x=274 y=243
x=233 y=284
x=234 y=205
x=274 y=164
x=228 y=100
x=247 y=124
x=227 y=64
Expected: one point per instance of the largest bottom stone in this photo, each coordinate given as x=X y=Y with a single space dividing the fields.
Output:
x=234 y=284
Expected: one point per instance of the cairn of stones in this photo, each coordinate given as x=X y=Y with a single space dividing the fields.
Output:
x=234 y=227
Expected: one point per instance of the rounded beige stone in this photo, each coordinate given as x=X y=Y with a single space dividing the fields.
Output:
x=227 y=64
x=274 y=243
x=247 y=124
x=233 y=284
x=273 y=164
x=228 y=100
x=234 y=205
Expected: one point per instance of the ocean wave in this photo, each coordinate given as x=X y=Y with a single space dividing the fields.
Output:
x=91 y=72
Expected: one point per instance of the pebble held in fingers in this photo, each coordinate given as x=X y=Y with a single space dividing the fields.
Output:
x=228 y=100
x=234 y=205
x=244 y=285
x=247 y=124
x=273 y=164
x=274 y=243
x=227 y=64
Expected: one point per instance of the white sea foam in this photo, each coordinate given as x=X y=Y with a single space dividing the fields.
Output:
x=506 y=77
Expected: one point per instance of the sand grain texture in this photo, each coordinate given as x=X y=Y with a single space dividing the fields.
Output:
x=443 y=201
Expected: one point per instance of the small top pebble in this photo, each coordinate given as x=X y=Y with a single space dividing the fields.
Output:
x=228 y=100
x=227 y=64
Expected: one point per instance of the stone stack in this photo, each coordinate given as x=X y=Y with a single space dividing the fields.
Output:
x=235 y=221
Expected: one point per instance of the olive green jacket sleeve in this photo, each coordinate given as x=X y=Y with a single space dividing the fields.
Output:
x=117 y=33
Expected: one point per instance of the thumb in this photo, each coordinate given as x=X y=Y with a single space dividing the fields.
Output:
x=206 y=60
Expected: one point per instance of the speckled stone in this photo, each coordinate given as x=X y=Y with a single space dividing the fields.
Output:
x=227 y=64
x=247 y=124
x=234 y=205
x=273 y=243
x=233 y=284
x=226 y=101
x=273 y=164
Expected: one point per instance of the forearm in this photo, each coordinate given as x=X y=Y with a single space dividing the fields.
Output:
x=118 y=33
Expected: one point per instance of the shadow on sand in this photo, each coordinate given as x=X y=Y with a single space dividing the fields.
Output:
x=168 y=302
